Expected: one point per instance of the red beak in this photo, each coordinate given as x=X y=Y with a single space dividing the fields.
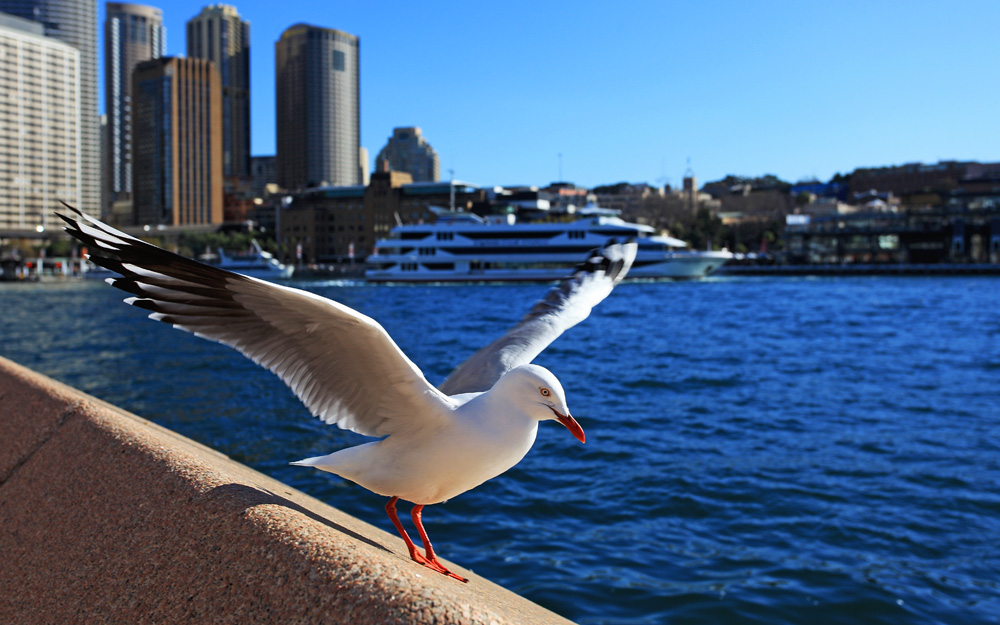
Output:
x=570 y=424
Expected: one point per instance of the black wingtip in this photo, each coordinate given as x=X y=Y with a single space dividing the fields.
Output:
x=145 y=304
x=69 y=220
x=614 y=258
x=72 y=223
x=72 y=208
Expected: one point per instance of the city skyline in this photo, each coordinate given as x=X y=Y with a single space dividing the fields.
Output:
x=75 y=23
x=318 y=112
x=220 y=35
x=40 y=161
x=177 y=152
x=408 y=150
x=530 y=94
x=132 y=34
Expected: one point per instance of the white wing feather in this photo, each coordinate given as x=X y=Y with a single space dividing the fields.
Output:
x=564 y=306
x=340 y=363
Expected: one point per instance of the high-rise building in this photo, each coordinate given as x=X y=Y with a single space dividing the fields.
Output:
x=177 y=142
x=132 y=33
x=363 y=161
x=74 y=22
x=408 y=150
x=221 y=36
x=263 y=172
x=39 y=125
x=318 y=107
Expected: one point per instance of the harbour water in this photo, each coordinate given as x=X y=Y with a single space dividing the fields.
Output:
x=759 y=450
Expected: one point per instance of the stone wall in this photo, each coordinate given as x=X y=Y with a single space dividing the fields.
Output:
x=108 y=518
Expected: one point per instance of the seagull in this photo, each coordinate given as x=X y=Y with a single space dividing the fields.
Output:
x=434 y=443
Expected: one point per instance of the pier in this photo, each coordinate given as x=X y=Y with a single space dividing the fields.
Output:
x=863 y=269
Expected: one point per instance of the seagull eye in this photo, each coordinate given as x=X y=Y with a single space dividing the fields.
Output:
x=545 y=392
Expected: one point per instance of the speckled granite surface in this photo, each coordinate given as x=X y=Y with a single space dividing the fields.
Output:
x=108 y=518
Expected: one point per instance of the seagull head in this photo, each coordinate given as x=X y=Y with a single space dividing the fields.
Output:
x=542 y=396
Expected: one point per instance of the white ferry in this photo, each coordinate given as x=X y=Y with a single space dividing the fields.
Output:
x=466 y=247
x=255 y=263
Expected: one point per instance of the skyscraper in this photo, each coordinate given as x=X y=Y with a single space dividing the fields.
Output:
x=39 y=124
x=318 y=107
x=263 y=173
x=408 y=151
x=221 y=36
x=132 y=33
x=74 y=22
x=177 y=142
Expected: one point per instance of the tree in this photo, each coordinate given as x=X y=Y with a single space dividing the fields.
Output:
x=193 y=244
x=759 y=183
x=609 y=189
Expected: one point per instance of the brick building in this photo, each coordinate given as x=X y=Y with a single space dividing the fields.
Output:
x=338 y=224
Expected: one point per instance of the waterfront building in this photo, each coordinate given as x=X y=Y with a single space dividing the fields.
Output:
x=132 y=33
x=338 y=224
x=318 y=115
x=562 y=195
x=626 y=198
x=220 y=35
x=919 y=184
x=836 y=190
x=74 y=22
x=40 y=155
x=966 y=233
x=407 y=150
x=177 y=142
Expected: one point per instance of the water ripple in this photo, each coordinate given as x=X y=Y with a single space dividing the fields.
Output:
x=759 y=450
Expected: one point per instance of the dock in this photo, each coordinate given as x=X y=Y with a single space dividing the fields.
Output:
x=863 y=269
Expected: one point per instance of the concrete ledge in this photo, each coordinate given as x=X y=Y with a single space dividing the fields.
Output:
x=108 y=518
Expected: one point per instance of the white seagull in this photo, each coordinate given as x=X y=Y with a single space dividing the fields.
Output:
x=435 y=443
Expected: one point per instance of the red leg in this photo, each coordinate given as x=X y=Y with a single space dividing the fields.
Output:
x=417 y=510
x=390 y=509
x=430 y=562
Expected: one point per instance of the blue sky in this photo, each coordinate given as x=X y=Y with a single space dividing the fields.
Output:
x=629 y=91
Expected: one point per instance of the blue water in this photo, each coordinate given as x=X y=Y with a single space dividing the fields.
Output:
x=758 y=450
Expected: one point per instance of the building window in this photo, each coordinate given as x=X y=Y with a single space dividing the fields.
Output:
x=339 y=63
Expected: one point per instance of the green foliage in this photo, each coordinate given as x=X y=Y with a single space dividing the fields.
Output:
x=764 y=219
x=60 y=248
x=748 y=235
x=194 y=244
x=54 y=248
x=609 y=189
x=758 y=183
x=698 y=229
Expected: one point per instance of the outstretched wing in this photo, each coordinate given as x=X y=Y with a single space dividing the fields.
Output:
x=340 y=363
x=564 y=306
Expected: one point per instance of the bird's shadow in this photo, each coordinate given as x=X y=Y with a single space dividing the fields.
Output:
x=250 y=496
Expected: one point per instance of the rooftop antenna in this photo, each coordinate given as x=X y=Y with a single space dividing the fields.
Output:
x=664 y=179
